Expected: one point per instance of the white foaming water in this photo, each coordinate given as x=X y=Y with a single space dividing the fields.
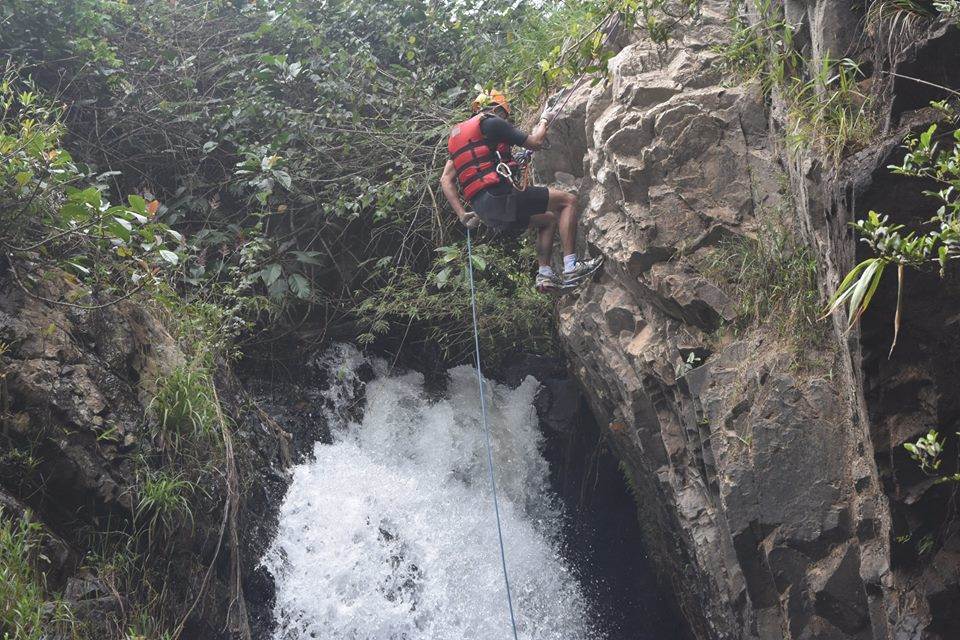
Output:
x=389 y=533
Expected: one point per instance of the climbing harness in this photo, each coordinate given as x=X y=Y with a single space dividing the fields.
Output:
x=522 y=161
x=486 y=433
x=503 y=168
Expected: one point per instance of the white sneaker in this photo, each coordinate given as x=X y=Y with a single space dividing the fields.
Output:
x=582 y=270
x=548 y=284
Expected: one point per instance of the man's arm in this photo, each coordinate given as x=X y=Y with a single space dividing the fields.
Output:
x=499 y=130
x=537 y=137
x=448 y=184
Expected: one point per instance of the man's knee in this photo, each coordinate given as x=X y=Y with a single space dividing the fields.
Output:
x=561 y=199
x=542 y=220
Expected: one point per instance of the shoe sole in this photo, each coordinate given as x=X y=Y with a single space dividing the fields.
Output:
x=559 y=291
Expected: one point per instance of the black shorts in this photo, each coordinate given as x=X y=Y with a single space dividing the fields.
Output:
x=490 y=206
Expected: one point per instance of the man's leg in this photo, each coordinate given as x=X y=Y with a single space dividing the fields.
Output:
x=564 y=205
x=545 y=225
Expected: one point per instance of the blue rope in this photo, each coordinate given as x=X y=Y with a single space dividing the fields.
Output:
x=486 y=432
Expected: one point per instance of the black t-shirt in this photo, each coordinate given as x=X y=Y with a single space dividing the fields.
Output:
x=496 y=130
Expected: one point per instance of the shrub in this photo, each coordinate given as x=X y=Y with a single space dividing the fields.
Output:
x=25 y=613
x=54 y=217
x=825 y=108
x=512 y=316
x=929 y=156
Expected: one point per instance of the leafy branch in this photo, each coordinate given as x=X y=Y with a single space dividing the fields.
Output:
x=935 y=247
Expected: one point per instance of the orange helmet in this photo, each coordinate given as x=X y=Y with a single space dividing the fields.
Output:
x=493 y=98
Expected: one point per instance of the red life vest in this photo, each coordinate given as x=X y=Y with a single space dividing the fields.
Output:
x=475 y=159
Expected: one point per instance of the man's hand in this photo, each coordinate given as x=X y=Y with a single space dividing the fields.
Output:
x=538 y=137
x=554 y=106
x=470 y=220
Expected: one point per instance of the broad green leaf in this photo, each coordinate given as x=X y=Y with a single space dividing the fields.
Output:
x=119 y=228
x=845 y=289
x=443 y=276
x=169 y=256
x=310 y=257
x=277 y=290
x=138 y=204
x=299 y=285
x=76 y=266
x=873 y=288
x=860 y=290
x=270 y=273
x=283 y=178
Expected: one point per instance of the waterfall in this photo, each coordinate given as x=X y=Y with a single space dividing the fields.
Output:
x=389 y=532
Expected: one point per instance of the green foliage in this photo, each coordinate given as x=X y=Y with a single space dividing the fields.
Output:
x=68 y=32
x=543 y=50
x=208 y=323
x=25 y=613
x=146 y=628
x=828 y=113
x=53 y=213
x=295 y=143
x=936 y=247
x=949 y=9
x=512 y=315
x=898 y=23
x=926 y=451
x=553 y=44
x=691 y=362
x=761 y=45
x=115 y=558
x=825 y=109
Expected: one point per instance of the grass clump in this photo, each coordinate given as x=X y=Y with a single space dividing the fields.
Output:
x=773 y=280
x=164 y=500
x=826 y=111
x=184 y=408
x=25 y=612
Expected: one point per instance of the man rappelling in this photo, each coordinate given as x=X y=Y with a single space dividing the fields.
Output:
x=484 y=170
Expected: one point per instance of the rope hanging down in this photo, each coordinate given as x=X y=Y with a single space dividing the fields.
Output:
x=486 y=432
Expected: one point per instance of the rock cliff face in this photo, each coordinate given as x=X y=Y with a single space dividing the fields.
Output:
x=77 y=437
x=771 y=485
